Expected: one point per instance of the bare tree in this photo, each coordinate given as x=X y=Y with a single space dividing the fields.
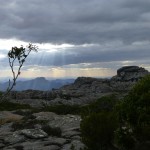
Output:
x=17 y=55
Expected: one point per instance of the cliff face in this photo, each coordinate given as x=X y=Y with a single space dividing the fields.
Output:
x=86 y=89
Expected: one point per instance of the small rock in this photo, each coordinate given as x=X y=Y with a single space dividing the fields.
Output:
x=34 y=133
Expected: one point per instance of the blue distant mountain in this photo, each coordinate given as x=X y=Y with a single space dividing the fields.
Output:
x=39 y=83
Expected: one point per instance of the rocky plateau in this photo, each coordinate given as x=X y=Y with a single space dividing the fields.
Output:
x=84 y=90
x=23 y=130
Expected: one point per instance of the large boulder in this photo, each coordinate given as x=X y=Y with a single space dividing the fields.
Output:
x=130 y=73
x=126 y=77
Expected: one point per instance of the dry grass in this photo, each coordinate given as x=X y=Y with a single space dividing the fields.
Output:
x=6 y=116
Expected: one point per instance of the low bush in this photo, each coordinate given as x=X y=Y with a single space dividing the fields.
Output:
x=98 y=130
x=134 y=114
x=124 y=138
x=105 y=103
x=136 y=106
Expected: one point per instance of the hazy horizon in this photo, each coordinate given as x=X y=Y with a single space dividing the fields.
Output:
x=6 y=79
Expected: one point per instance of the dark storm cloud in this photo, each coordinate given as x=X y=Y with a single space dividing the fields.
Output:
x=75 y=21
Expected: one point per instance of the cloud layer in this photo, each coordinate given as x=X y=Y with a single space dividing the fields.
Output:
x=75 y=21
x=101 y=33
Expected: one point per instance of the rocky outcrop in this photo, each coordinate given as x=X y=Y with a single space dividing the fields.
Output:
x=126 y=77
x=130 y=73
x=85 y=89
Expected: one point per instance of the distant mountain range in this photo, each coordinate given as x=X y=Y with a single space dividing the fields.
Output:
x=39 y=83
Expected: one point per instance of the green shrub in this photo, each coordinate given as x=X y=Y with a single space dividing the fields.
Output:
x=136 y=106
x=97 y=130
x=124 y=138
x=105 y=103
x=134 y=113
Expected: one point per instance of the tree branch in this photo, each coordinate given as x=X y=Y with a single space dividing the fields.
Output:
x=15 y=54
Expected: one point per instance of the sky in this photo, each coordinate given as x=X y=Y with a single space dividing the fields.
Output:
x=76 y=37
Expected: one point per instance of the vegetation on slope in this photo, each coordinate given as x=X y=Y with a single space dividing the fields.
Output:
x=124 y=125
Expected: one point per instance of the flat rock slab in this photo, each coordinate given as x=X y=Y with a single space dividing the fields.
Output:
x=46 y=116
x=65 y=122
x=55 y=141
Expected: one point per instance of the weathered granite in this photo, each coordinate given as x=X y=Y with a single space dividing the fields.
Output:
x=34 y=133
x=130 y=73
x=65 y=122
x=29 y=139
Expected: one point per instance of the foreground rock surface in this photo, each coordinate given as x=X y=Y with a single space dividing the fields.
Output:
x=36 y=138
